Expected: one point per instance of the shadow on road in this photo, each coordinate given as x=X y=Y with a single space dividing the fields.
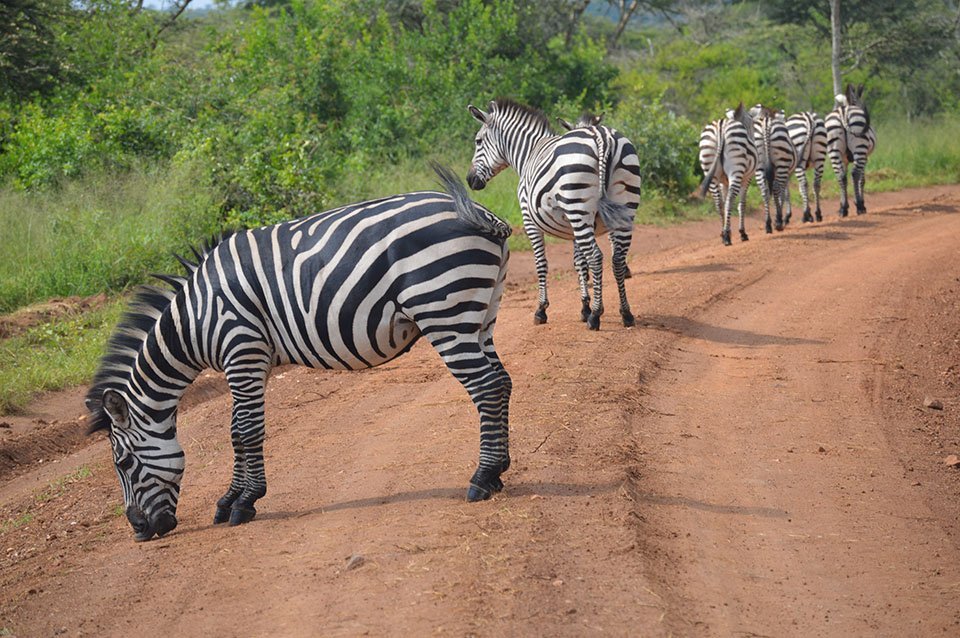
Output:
x=680 y=501
x=719 y=334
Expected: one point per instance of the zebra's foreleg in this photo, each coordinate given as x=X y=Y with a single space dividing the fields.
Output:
x=535 y=235
x=587 y=243
x=817 y=179
x=804 y=194
x=620 y=242
x=583 y=274
x=247 y=381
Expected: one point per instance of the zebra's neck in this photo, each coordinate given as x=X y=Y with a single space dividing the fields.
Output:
x=163 y=369
x=520 y=141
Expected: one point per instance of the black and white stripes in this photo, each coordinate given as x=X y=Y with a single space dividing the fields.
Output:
x=574 y=186
x=809 y=136
x=346 y=289
x=850 y=139
x=728 y=156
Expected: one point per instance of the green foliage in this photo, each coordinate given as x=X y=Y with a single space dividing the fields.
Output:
x=666 y=144
x=53 y=355
x=31 y=60
x=104 y=233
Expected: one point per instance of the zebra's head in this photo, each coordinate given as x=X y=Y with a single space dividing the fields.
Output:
x=585 y=120
x=489 y=155
x=148 y=459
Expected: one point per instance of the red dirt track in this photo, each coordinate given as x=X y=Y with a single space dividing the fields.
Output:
x=753 y=459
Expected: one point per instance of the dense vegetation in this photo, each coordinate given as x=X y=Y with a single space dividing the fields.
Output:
x=126 y=134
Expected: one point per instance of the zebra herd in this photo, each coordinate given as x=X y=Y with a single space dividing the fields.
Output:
x=764 y=143
x=357 y=286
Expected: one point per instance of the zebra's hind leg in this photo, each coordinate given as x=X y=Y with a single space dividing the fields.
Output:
x=859 y=178
x=817 y=178
x=247 y=381
x=583 y=275
x=620 y=241
x=741 y=205
x=587 y=243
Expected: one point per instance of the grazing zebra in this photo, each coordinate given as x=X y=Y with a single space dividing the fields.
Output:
x=776 y=159
x=809 y=136
x=574 y=186
x=345 y=289
x=728 y=156
x=850 y=138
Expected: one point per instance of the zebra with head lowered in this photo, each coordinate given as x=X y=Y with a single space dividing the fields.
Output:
x=850 y=138
x=728 y=156
x=574 y=186
x=809 y=136
x=345 y=289
x=776 y=159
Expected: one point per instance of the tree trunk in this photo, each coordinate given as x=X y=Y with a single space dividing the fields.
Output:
x=835 y=56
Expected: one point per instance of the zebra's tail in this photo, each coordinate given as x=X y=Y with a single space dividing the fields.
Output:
x=469 y=212
x=769 y=171
x=615 y=216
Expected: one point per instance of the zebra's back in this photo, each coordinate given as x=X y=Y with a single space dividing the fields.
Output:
x=809 y=136
x=341 y=289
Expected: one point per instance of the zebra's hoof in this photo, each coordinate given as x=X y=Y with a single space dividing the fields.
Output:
x=222 y=515
x=585 y=311
x=539 y=317
x=743 y=236
x=779 y=228
x=819 y=217
x=628 y=320
x=241 y=515
x=843 y=212
x=593 y=322
x=725 y=237
x=862 y=211
x=483 y=492
x=768 y=227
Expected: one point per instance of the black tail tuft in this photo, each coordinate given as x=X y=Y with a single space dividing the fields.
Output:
x=469 y=212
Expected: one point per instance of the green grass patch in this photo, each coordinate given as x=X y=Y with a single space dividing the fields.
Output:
x=101 y=233
x=59 y=486
x=53 y=355
x=16 y=523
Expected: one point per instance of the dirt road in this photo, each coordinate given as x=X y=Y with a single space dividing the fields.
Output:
x=753 y=459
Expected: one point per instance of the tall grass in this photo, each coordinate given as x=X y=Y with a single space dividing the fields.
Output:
x=102 y=233
x=917 y=153
x=53 y=355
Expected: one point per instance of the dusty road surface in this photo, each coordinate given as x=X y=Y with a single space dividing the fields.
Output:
x=753 y=459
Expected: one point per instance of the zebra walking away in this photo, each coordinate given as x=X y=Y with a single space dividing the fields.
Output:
x=809 y=136
x=850 y=138
x=345 y=289
x=587 y=120
x=574 y=186
x=728 y=156
x=776 y=159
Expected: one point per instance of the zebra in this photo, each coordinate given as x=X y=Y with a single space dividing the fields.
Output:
x=850 y=138
x=573 y=186
x=728 y=156
x=809 y=136
x=776 y=159
x=345 y=289
x=587 y=120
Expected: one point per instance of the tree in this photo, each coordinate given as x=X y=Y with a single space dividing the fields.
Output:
x=835 y=48
x=31 y=60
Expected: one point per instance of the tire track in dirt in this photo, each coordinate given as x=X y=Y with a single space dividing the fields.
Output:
x=609 y=474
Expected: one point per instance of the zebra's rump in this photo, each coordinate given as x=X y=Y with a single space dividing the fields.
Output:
x=342 y=289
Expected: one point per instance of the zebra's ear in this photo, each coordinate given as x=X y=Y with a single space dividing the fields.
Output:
x=565 y=124
x=477 y=113
x=116 y=408
x=597 y=119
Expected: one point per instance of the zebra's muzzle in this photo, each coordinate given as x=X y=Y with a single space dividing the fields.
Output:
x=475 y=182
x=144 y=529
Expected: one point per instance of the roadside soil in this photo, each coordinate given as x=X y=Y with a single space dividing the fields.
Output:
x=755 y=458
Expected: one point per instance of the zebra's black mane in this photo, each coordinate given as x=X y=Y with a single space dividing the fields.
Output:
x=505 y=104
x=146 y=307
